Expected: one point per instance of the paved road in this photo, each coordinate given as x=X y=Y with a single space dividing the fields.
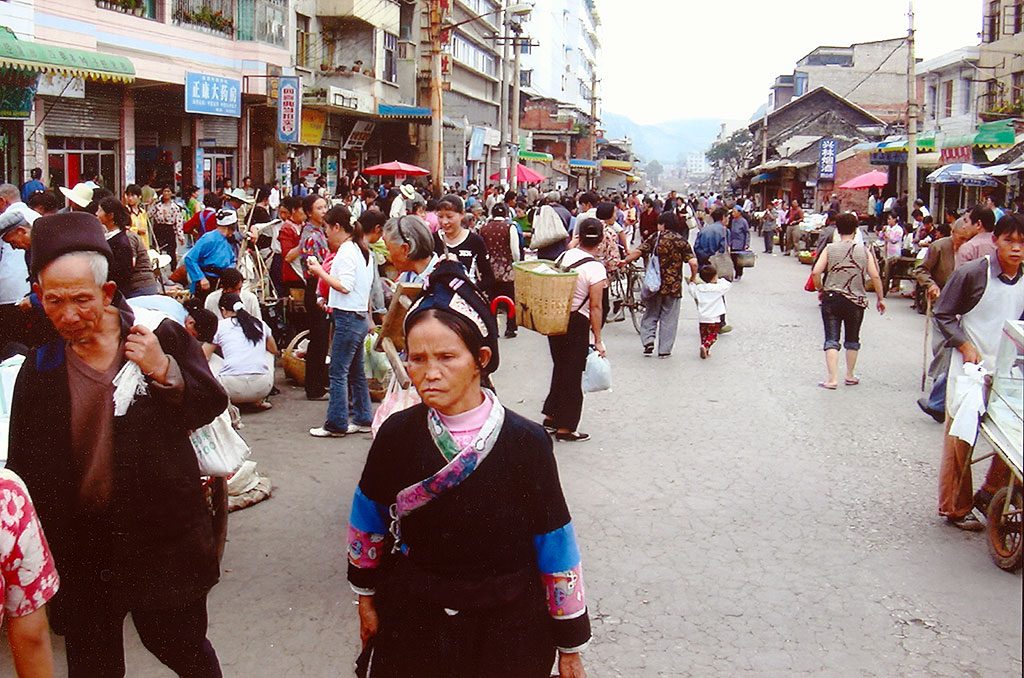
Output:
x=734 y=518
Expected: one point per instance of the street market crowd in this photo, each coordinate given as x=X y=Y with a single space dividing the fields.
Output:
x=467 y=567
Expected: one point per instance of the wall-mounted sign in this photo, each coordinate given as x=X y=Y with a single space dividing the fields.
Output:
x=213 y=95
x=17 y=92
x=54 y=85
x=827 y=158
x=289 y=109
x=360 y=134
x=314 y=123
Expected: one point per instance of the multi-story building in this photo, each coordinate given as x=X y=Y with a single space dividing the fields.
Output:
x=947 y=92
x=135 y=90
x=1001 y=59
x=355 y=111
x=872 y=75
x=697 y=164
x=558 y=77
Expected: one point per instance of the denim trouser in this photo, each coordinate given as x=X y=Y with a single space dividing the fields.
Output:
x=346 y=372
x=840 y=314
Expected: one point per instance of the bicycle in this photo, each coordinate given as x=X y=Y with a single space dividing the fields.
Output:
x=624 y=292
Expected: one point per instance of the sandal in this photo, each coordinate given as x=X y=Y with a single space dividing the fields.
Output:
x=574 y=437
x=549 y=425
x=852 y=382
x=828 y=387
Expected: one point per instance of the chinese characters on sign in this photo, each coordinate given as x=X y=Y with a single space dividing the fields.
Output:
x=213 y=95
x=289 y=107
x=360 y=134
x=827 y=158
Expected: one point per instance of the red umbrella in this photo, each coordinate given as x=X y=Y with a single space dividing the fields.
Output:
x=868 y=180
x=397 y=168
x=525 y=175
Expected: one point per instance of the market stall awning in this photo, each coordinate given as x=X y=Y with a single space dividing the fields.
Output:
x=403 y=112
x=998 y=134
x=761 y=178
x=38 y=58
x=581 y=163
x=536 y=156
x=622 y=165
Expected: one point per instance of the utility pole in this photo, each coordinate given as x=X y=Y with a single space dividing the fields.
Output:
x=436 y=102
x=503 y=116
x=513 y=161
x=911 y=115
x=593 y=127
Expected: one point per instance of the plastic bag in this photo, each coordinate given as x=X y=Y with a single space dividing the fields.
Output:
x=548 y=228
x=652 y=274
x=597 y=376
x=375 y=363
x=219 y=449
x=395 y=400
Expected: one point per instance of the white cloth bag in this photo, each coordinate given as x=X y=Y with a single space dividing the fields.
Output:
x=219 y=448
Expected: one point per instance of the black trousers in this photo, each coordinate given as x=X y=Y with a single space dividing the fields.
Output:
x=316 y=352
x=177 y=637
x=564 y=404
x=166 y=242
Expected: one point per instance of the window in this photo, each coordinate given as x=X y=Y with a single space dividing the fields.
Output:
x=799 y=84
x=991 y=28
x=526 y=78
x=390 y=66
x=966 y=95
x=302 y=41
x=1017 y=87
x=71 y=161
x=933 y=102
x=473 y=56
x=1018 y=16
x=947 y=99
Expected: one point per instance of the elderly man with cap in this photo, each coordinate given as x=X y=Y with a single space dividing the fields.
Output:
x=212 y=253
x=14 y=286
x=116 y=484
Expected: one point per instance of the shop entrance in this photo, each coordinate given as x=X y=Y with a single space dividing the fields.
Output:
x=72 y=161
x=10 y=152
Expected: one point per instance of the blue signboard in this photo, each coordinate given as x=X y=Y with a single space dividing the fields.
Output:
x=289 y=109
x=213 y=95
x=827 y=158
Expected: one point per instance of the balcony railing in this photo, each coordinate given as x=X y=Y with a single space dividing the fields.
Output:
x=213 y=16
x=143 y=8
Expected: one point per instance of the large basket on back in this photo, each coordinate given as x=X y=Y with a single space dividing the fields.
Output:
x=543 y=300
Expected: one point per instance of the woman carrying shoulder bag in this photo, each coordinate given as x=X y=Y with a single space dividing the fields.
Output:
x=843 y=297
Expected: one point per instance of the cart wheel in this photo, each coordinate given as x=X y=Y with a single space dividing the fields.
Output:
x=1005 y=534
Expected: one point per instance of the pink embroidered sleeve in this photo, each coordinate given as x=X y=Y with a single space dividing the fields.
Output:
x=26 y=566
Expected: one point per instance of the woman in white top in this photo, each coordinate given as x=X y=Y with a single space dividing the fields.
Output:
x=564 y=404
x=248 y=348
x=350 y=279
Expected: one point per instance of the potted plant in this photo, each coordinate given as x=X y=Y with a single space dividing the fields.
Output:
x=325 y=66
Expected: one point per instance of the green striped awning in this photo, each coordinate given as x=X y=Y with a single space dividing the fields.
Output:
x=536 y=156
x=998 y=134
x=20 y=55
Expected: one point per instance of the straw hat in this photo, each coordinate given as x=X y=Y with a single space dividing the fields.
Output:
x=239 y=194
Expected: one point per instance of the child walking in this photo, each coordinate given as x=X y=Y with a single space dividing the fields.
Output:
x=710 y=297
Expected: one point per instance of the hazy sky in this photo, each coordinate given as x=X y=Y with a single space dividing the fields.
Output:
x=667 y=59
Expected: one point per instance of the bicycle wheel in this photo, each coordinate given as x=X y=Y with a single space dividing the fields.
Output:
x=618 y=296
x=635 y=299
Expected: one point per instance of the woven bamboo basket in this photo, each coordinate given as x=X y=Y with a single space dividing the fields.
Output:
x=543 y=300
x=295 y=368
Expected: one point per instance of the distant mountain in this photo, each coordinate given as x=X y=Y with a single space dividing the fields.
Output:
x=667 y=142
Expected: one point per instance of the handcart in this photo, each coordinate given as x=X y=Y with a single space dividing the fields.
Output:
x=1003 y=427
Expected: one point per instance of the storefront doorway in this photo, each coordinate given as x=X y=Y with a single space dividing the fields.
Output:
x=71 y=161
x=10 y=152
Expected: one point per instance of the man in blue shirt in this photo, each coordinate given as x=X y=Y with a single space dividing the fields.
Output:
x=212 y=253
x=711 y=239
x=739 y=237
x=34 y=185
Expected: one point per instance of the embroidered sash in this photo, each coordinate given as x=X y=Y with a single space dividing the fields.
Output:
x=461 y=463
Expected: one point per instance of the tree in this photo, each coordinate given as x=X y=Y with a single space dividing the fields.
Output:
x=731 y=155
x=654 y=171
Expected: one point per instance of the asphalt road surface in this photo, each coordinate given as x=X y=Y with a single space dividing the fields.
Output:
x=734 y=518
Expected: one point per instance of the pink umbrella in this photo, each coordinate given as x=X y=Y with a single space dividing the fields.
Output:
x=868 y=180
x=398 y=169
x=525 y=175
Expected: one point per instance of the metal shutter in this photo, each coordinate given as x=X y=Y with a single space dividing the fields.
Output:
x=97 y=116
x=223 y=130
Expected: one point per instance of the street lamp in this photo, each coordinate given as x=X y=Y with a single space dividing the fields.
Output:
x=438 y=30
